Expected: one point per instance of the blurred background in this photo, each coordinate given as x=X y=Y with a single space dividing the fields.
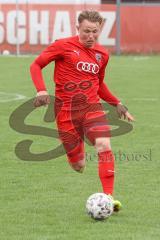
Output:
x=45 y=200
x=28 y=26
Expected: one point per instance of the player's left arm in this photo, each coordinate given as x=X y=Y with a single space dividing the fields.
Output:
x=107 y=96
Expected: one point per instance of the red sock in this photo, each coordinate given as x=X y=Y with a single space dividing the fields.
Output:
x=106 y=171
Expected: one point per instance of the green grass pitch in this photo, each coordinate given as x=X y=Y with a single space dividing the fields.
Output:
x=46 y=200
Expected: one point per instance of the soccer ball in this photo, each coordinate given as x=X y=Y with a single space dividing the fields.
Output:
x=99 y=206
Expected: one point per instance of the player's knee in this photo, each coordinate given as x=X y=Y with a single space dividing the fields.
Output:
x=78 y=166
x=102 y=144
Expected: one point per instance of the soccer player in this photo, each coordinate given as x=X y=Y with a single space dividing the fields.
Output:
x=80 y=64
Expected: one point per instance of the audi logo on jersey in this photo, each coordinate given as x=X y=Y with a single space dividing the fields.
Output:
x=88 y=67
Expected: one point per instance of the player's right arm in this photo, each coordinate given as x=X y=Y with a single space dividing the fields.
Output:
x=51 y=53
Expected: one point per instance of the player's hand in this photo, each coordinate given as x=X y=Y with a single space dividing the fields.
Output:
x=123 y=112
x=42 y=99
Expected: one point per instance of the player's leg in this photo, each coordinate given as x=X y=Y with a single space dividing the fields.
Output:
x=76 y=157
x=105 y=164
x=98 y=132
x=72 y=141
x=74 y=148
x=106 y=167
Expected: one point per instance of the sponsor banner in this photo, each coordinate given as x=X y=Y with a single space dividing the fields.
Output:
x=53 y=1
x=140 y=29
x=34 y=26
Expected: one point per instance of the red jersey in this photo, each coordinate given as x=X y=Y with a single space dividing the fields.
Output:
x=78 y=71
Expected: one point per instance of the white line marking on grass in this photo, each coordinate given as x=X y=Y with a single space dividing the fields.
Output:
x=141 y=99
x=141 y=58
x=19 y=56
x=9 y=97
x=145 y=99
x=148 y=125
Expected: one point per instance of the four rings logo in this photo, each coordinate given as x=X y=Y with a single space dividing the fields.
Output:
x=88 y=67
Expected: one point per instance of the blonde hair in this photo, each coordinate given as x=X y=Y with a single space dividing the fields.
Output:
x=92 y=16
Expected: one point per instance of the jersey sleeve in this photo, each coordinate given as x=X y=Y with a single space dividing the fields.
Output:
x=104 y=91
x=54 y=52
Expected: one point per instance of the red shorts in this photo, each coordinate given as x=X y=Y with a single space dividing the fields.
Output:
x=74 y=125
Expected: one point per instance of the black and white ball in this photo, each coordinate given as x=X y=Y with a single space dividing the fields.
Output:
x=99 y=206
